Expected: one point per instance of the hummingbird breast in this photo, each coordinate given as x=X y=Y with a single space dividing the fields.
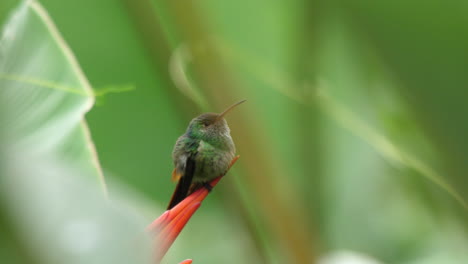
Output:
x=212 y=159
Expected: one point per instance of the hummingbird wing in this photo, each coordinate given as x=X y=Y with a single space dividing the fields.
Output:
x=184 y=183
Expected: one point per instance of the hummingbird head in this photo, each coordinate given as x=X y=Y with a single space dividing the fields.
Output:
x=210 y=125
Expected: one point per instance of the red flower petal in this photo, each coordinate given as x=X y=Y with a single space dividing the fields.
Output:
x=168 y=226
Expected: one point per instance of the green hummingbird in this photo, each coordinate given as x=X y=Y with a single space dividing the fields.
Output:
x=202 y=153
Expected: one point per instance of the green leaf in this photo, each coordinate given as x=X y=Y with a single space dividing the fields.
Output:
x=51 y=187
x=45 y=92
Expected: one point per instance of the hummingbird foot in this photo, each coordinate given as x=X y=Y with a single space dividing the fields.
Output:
x=208 y=186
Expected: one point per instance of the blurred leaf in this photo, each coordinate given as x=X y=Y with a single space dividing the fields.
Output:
x=426 y=52
x=51 y=196
x=101 y=91
x=45 y=92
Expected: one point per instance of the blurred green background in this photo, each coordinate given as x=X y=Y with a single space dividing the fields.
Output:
x=353 y=141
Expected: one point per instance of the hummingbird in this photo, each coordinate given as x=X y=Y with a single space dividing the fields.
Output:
x=202 y=153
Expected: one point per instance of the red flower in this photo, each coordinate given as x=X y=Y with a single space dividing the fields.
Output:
x=168 y=226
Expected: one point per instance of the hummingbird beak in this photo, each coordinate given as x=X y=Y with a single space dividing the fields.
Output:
x=220 y=116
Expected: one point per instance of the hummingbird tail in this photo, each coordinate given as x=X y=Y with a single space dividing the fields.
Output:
x=183 y=186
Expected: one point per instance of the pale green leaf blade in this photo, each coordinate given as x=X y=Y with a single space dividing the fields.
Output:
x=49 y=200
x=45 y=91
